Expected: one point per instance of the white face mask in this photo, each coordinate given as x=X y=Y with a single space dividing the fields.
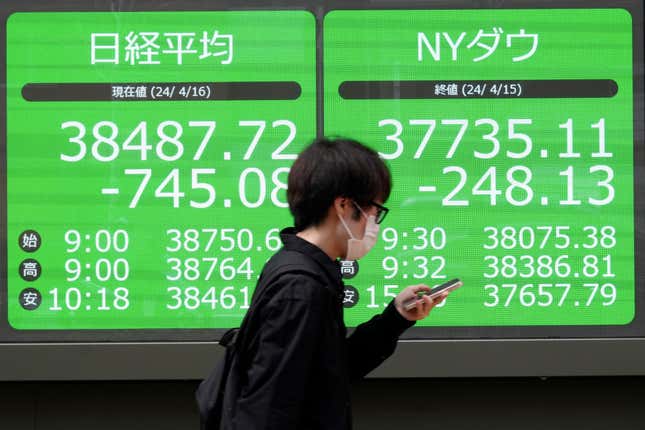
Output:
x=357 y=248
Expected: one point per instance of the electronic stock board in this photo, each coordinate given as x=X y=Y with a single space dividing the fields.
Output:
x=146 y=149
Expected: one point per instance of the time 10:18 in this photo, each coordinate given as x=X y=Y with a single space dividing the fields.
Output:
x=72 y=299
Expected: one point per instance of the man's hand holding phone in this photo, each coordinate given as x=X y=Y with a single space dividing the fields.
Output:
x=415 y=302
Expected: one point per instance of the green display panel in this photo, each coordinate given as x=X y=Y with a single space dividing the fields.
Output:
x=510 y=138
x=147 y=155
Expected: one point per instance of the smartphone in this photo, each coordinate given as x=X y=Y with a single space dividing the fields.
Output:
x=453 y=284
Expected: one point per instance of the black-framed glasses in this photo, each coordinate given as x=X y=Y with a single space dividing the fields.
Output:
x=381 y=211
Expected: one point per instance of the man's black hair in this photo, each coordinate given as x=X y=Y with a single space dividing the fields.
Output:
x=331 y=168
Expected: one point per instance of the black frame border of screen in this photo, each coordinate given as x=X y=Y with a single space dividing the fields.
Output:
x=176 y=354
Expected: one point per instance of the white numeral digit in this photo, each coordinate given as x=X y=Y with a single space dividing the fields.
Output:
x=82 y=148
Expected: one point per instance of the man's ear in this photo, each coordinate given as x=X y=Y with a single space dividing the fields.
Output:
x=341 y=205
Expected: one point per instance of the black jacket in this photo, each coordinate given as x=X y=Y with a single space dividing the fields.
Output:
x=299 y=359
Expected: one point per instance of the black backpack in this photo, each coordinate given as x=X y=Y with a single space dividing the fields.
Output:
x=217 y=394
